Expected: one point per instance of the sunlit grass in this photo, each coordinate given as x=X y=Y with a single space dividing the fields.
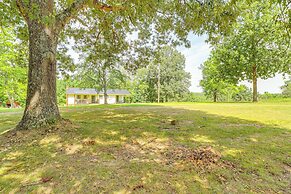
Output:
x=121 y=148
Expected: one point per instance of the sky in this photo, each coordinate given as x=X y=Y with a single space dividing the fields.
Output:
x=200 y=51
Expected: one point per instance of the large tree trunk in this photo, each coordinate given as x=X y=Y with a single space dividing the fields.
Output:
x=44 y=25
x=41 y=102
x=255 y=84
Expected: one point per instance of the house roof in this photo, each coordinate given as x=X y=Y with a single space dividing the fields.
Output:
x=92 y=91
x=117 y=91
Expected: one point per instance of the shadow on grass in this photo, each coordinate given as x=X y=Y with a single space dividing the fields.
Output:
x=125 y=148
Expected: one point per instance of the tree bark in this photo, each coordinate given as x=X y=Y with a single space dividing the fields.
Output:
x=41 y=102
x=255 y=84
x=215 y=96
x=105 y=95
x=105 y=86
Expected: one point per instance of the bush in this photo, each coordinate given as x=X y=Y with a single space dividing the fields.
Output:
x=194 y=97
x=268 y=96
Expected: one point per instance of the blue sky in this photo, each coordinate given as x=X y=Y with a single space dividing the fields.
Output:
x=200 y=51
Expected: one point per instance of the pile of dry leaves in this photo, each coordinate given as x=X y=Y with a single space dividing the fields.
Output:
x=202 y=157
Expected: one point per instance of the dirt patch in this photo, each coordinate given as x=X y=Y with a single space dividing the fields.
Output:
x=169 y=124
x=151 y=149
x=173 y=124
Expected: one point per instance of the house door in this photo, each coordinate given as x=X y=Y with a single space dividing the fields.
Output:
x=117 y=99
x=93 y=99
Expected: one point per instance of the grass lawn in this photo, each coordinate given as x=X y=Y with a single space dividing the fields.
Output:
x=151 y=148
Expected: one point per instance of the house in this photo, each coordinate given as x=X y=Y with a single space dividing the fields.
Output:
x=12 y=105
x=92 y=96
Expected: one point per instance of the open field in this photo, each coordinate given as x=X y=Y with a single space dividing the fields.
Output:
x=151 y=148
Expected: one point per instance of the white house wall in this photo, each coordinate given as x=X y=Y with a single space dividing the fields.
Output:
x=121 y=99
x=111 y=99
x=71 y=99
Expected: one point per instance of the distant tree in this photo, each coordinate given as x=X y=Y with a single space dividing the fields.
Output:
x=103 y=53
x=167 y=71
x=286 y=89
x=174 y=80
x=138 y=86
x=216 y=87
x=194 y=97
x=13 y=67
x=212 y=82
x=61 y=91
x=256 y=48
x=243 y=93
x=62 y=84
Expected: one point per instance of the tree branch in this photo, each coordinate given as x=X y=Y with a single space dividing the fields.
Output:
x=63 y=18
x=21 y=8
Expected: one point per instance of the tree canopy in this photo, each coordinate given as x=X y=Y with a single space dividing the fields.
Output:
x=256 y=47
x=13 y=67
x=165 y=78
x=219 y=89
x=286 y=88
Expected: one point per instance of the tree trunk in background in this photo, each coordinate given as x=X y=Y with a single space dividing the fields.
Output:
x=41 y=101
x=105 y=86
x=11 y=100
x=215 y=96
x=255 y=84
x=105 y=95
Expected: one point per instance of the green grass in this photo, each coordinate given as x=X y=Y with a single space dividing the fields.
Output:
x=4 y=110
x=123 y=148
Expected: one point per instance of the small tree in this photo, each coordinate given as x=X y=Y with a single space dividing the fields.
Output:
x=212 y=83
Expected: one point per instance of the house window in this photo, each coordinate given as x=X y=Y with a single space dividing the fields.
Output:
x=78 y=97
x=101 y=96
x=85 y=97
